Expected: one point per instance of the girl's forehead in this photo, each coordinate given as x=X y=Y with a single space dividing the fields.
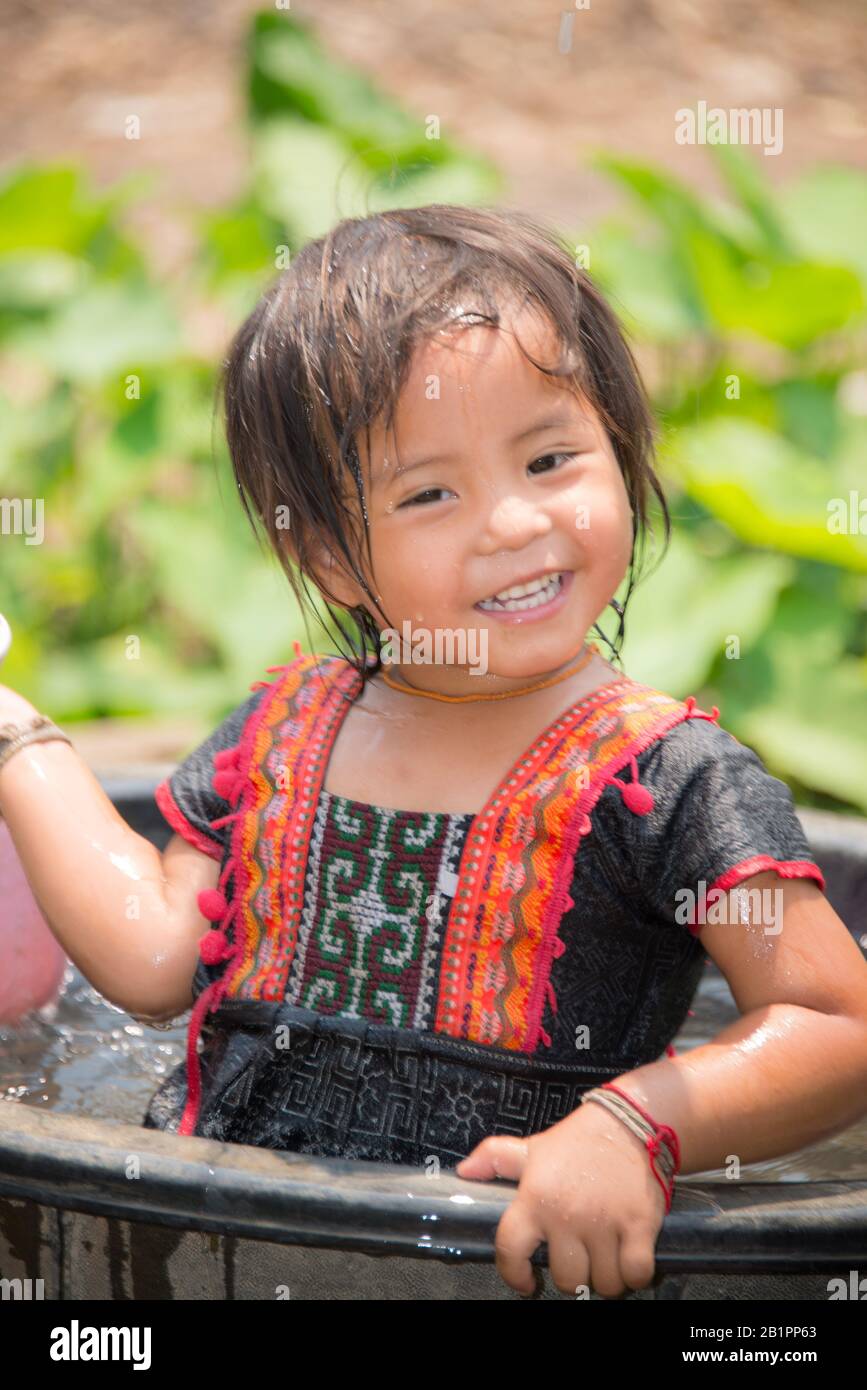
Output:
x=462 y=349
x=478 y=368
x=472 y=376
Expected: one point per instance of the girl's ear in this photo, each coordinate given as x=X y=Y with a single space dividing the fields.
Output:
x=329 y=575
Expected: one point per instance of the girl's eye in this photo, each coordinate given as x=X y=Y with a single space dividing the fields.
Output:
x=428 y=492
x=545 y=458
x=434 y=492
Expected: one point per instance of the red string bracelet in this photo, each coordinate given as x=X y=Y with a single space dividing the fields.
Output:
x=653 y=1140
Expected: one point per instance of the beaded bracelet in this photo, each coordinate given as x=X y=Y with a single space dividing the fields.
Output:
x=37 y=730
x=653 y=1136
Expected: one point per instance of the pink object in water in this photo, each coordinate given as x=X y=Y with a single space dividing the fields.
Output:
x=32 y=960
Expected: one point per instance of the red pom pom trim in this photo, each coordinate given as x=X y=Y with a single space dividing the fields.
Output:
x=224 y=782
x=638 y=798
x=212 y=904
x=213 y=947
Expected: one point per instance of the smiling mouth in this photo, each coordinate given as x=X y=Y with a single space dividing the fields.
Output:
x=523 y=597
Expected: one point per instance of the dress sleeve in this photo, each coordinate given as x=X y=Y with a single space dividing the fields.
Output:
x=718 y=818
x=187 y=798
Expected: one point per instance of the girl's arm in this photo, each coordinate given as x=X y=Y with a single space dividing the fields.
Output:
x=790 y=1071
x=124 y=913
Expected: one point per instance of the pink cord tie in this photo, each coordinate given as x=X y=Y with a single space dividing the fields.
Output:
x=695 y=713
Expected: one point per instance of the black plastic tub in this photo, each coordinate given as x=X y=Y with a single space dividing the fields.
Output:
x=95 y=1208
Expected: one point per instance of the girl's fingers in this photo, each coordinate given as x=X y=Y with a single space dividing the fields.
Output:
x=605 y=1265
x=518 y=1236
x=610 y=1264
x=637 y=1261
x=498 y=1156
x=569 y=1262
x=601 y=1258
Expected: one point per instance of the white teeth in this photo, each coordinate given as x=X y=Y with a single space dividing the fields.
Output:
x=524 y=590
x=525 y=596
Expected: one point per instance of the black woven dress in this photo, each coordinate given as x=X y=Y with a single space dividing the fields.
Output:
x=396 y=985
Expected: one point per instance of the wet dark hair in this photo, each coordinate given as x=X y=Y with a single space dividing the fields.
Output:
x=327 y=349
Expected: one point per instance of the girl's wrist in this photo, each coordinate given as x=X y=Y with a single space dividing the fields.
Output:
x=17 y=716
x=617 y=1151
x=621 y=1114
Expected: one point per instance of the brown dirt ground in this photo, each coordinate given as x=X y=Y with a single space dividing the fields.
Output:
x=494 y=74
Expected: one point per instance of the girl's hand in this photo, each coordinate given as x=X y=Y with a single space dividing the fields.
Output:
x=586 y=1187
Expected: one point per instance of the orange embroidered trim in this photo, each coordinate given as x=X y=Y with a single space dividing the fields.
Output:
x=513 y=881
x=518 y=861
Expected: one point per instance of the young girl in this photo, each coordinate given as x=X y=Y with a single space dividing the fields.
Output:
x=424 y=911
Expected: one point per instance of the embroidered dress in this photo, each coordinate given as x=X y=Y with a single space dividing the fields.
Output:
x=393 y=985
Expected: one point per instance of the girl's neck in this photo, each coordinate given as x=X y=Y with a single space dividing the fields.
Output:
x=468 y=685
x=536 y=707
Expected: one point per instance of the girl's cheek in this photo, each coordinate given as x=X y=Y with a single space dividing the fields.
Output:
x=600 y=522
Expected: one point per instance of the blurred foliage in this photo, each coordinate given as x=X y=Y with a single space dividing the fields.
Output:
x=148 y=592
x=749 y=314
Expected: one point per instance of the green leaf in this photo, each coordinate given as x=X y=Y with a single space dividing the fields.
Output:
x=809 y=414
x=788 y=303
x=108 y=330
x=52 y=209
x=244 y=607
x=38 y=279
x=669 y=200
x=680 y=616
x=767 y=492
x=291 y=73
x=238 y=241
x=743 y=285
x=98 y=680
x=817 y=730
x=678 y=213
x=825 y=213
x=804 y=705
x=458 y=180
x=47 y=208
x=306 y=177
x=35 y=444
x=741 y=173
x=646 y=285
x=851 y=453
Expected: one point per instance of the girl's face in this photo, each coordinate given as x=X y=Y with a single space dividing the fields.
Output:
x=504 y=478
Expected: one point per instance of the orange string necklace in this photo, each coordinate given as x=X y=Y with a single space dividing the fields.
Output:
x=592 y=650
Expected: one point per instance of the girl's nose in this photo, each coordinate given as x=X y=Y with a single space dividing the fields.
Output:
x=513 y=521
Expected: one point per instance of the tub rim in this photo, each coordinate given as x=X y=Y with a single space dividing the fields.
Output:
x=198 y=1184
